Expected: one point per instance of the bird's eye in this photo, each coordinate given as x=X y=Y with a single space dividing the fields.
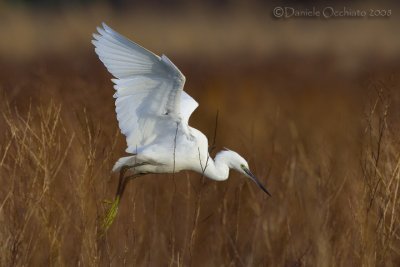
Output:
x=242 y=165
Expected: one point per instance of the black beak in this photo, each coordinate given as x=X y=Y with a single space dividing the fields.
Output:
x=254 y=178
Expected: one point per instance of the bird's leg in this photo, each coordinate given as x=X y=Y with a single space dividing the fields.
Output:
x=113 y=210
x=122 y=181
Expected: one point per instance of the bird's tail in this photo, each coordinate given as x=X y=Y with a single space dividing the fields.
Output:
x=122 y=162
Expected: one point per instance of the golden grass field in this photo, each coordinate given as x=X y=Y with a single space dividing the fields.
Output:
x=321 y=136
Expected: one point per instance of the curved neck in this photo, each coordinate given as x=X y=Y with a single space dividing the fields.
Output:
x=217 y=169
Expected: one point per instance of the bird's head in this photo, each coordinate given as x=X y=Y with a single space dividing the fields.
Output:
x=239 y=164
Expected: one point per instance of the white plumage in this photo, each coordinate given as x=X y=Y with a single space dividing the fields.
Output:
x=153 y=113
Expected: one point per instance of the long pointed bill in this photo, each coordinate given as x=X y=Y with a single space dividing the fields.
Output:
x=254 y=178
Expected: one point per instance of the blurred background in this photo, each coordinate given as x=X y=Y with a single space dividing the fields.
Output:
x=312 y=102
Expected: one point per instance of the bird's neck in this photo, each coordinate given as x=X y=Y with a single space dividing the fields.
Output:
x=217 y=169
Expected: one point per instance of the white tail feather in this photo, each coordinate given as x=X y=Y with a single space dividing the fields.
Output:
x=122 y=162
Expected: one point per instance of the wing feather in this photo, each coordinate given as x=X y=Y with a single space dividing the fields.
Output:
x=149 y=89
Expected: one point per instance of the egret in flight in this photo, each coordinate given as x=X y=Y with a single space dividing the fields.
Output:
x=153 y=113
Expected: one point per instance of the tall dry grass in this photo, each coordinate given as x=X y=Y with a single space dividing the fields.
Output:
x=329 y=157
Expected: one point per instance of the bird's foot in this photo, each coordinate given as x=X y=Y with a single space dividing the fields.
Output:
x=111 y=213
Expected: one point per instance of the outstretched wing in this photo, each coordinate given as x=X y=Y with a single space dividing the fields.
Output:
x=149 y=89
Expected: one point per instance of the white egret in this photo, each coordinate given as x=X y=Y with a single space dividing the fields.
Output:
x=153 y=113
